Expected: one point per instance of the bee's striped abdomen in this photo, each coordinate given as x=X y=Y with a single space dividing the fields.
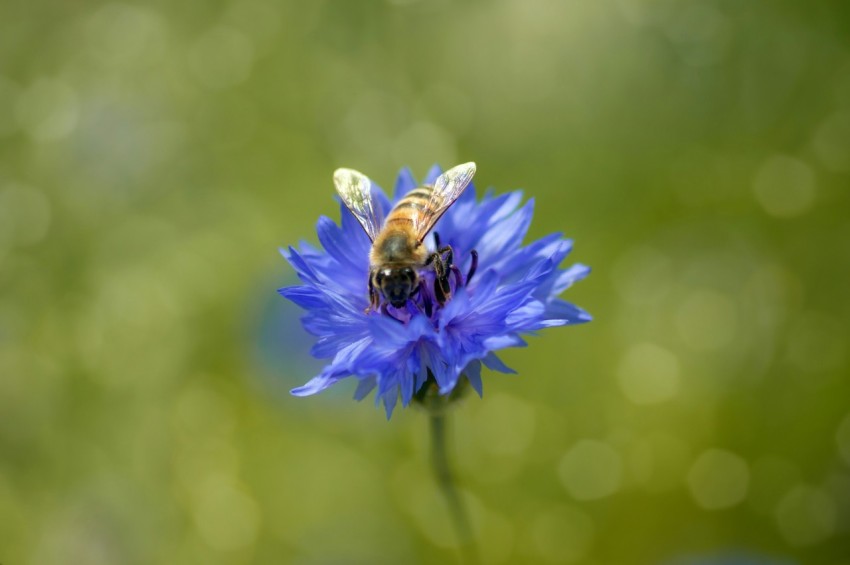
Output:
x=413 y=207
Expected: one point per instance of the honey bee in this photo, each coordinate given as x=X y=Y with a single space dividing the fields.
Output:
x=398 y=253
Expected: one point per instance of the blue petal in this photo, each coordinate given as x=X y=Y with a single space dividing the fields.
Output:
x=317 y=383
x=560 y=312
x=466 y=224
x=390 y=401
x=303 y=296
x=420 y=378
x=495 y=364
x=406 y=385
x=304 y=271
x=507 y=235
x=387 y=393
x=384 y=204
x=358 y=239
x=434 y=172
x=473 y=375
x=364 y=387
x=503 y=341
x=502 y=206
x=527 y=317
x=570 y=276
x=468 y=195
x=403 y=184
x=443 y=374
x=338 y=244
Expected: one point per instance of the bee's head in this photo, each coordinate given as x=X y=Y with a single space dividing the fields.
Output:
x=396 y=284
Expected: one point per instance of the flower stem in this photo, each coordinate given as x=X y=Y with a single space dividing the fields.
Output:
x=445 y=479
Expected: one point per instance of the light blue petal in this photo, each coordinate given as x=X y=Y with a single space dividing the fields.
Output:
x=570 y=276
x=495 y=364
x=303 y=296
x=503 y=341
x=317 y=383
x=364 y=387
x=473 y=375
x=561 y=310
x=404 y=183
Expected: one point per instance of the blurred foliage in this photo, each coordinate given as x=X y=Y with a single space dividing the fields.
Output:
x=153 y=156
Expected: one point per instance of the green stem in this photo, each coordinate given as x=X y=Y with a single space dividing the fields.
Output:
x=445 y=479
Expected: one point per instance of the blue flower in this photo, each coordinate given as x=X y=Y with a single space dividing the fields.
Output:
x=514 y=291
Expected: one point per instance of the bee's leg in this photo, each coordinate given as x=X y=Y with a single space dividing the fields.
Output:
x=450 y=253
x=439 y=266
x=442 y=269
x=448 y=267
x=442 y=290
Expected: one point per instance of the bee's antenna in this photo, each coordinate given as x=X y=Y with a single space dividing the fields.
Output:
x=472 y=267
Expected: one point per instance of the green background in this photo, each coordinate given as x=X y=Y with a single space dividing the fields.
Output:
x=154 y=156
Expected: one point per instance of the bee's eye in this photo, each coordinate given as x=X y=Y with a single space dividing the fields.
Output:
x=379 y=277
x=408 y=272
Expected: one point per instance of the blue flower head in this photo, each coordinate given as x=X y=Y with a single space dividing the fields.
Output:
x=500 y=290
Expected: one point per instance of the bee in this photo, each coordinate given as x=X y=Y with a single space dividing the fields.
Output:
x=398 y=253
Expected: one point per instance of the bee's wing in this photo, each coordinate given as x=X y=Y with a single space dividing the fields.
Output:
x=447 y=188
x=355 y=189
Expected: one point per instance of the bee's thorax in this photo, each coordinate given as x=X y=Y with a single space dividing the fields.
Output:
x=397 y=247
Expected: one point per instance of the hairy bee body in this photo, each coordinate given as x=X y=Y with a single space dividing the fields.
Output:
x=397 y=242
x=398 y=250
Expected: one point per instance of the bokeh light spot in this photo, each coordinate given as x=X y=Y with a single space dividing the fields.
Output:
x=121 y=34
x=806 y=516
x=718 y=479
x=591 y=470
x=261 y=20
x=47 y=110
x=784 y=186
x=648 y=374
